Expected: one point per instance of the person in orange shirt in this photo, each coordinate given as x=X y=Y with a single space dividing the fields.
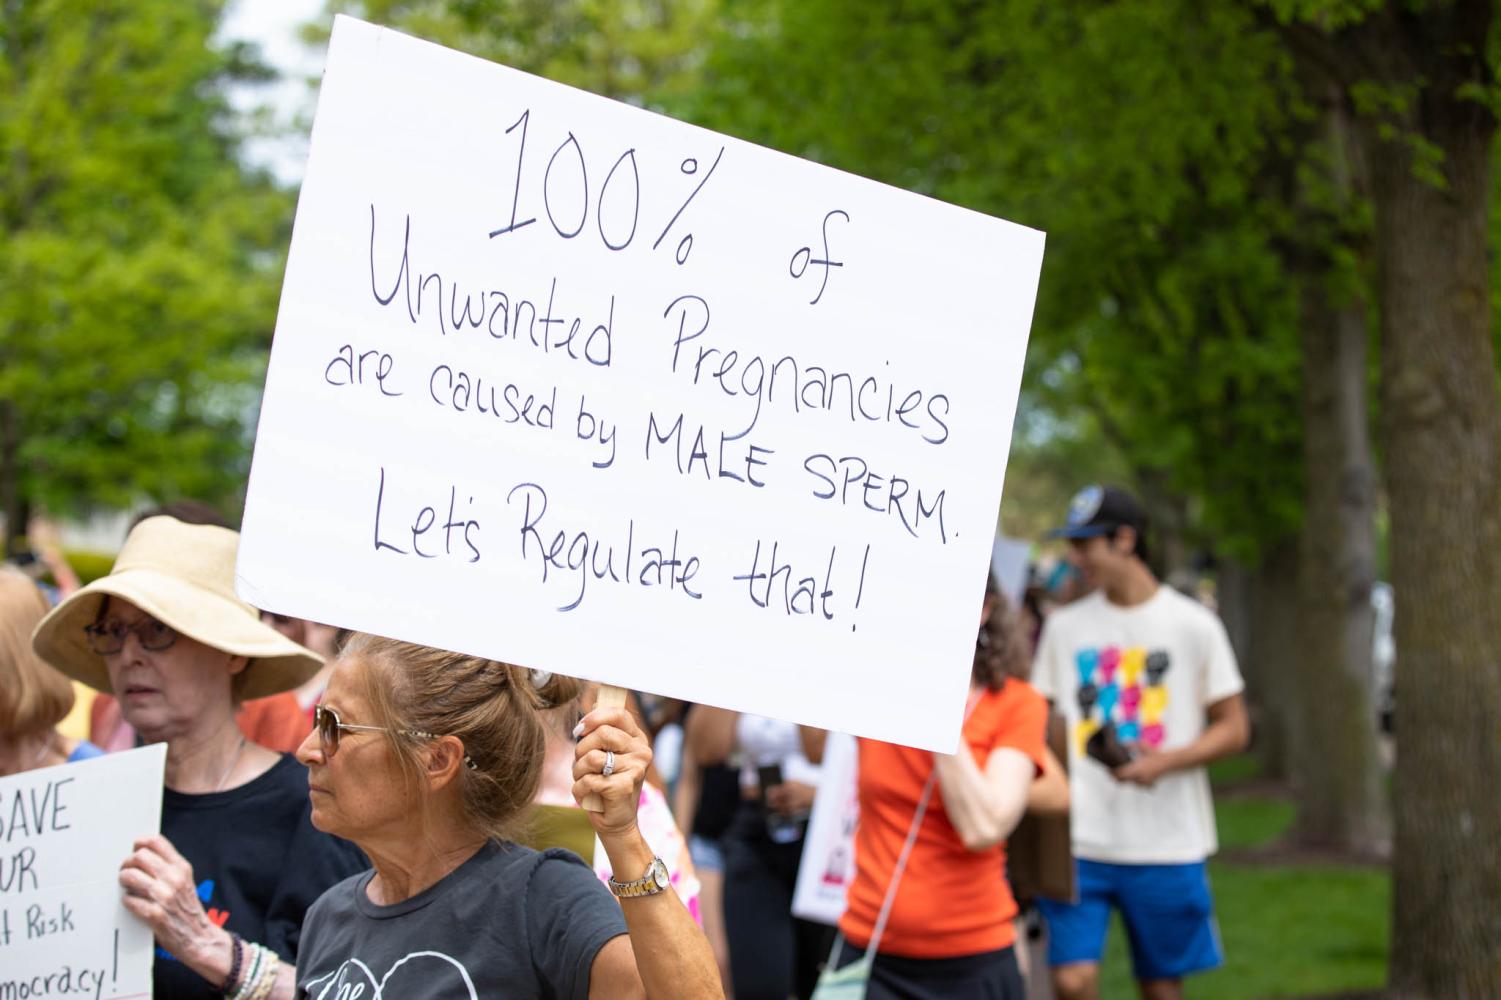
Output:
x=949 y=930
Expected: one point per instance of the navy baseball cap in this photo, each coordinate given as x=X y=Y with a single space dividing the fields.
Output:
x=1100 y=510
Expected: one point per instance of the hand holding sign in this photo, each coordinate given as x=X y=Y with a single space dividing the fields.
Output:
x=161 y=891
x=609 y=766
x=609 y=696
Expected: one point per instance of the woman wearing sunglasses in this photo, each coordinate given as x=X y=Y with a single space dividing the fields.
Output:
x=238 y=862
x=428 y=760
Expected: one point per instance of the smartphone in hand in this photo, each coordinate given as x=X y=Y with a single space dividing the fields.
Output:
x=1106 y=747
x=781 y=828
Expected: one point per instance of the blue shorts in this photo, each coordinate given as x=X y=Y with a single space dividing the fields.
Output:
x=1167 y=910
x=707 y=855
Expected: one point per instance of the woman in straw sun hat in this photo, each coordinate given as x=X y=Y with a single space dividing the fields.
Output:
x=238 y=862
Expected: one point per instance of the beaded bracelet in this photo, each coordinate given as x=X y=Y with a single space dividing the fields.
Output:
x=235 y=962
x=251 y=974
x=268 y=976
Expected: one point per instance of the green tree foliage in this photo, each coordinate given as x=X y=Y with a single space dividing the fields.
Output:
x=643 y=51
x=1142 y=138
x=141 y=259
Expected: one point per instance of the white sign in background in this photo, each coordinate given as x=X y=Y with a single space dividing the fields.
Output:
x=567 y=383
x=1009 y=559
x=63 y=833
x=828 y=861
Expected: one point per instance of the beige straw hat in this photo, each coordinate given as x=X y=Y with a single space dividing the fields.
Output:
x=183 y=576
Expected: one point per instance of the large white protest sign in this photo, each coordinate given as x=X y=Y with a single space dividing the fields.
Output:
x=63 y=833
x=563 y=382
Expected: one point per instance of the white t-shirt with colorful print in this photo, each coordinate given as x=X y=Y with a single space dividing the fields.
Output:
x=1152 y=670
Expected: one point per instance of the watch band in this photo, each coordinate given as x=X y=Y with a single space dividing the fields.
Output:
x=654 y=881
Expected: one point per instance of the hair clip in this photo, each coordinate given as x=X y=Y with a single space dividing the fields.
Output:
x=469 y=763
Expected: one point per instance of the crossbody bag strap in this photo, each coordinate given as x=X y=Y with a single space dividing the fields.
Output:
x=901 y=861
x=901 y=864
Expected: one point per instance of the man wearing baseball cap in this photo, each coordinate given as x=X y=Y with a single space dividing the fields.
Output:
x=1148 y=682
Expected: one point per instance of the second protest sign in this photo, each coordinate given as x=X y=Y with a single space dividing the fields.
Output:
x=64 y=832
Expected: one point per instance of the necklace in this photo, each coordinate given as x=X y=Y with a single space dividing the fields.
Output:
x=239 y=751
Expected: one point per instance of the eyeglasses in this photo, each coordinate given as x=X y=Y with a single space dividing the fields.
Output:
x=107 y=638
x=328 y=724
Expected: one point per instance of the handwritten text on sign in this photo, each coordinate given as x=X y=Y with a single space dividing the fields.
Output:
x=567 y=383
x=63 y=833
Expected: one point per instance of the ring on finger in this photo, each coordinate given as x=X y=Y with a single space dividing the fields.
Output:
x=609 y=767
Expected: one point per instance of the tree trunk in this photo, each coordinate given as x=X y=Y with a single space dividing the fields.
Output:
x=1233 y=592
x=1337 y=770
x=1425 y=76
x=1274 y=655
x=1236 y=589
x=1441 y=430
x=1168 y=515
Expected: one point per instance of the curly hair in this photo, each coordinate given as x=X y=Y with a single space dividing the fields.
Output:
x=1001 y=647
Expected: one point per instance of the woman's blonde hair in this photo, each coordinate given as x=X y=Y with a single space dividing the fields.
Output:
x=33 y=695
x=493 y=708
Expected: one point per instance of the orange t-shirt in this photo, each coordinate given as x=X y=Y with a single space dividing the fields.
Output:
x=277 y=722
x=950 y=901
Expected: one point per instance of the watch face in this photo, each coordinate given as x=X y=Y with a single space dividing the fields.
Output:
x=659 y=874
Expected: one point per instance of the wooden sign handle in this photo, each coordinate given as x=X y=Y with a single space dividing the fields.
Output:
x=609 y=697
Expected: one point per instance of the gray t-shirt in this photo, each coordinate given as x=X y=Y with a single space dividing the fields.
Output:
x=509 y=922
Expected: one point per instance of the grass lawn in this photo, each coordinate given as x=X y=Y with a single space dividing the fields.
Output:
x=1290 y=930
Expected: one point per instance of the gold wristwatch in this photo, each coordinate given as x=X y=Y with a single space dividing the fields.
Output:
x=654 y=881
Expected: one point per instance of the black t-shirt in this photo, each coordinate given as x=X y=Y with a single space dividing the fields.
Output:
x=258 y=861
x=718 y=800
x=509 y=922
x=718 y=796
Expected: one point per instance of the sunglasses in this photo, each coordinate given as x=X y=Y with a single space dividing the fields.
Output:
x=108 y=638
x=329 y=725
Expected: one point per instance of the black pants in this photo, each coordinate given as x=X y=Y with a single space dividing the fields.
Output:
x=773 y=955
x=991 y=975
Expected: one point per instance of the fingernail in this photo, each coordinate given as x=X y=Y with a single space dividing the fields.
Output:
x=578 y=730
